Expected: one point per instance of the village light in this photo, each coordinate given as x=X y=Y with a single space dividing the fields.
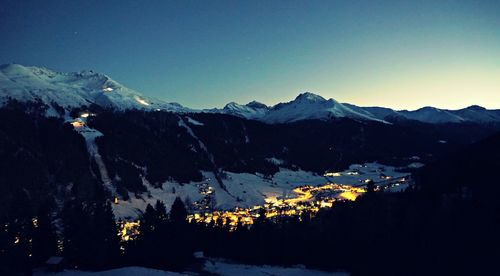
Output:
x=34 y=221
x=77 y=124
x=308 y=199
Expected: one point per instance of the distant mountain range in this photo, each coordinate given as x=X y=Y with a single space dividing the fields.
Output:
x=307 y=106
x=79 y=89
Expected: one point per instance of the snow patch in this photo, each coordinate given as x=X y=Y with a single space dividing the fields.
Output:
x=223 y=268
x=194 y=122
x=124 y=271
x=275 y=161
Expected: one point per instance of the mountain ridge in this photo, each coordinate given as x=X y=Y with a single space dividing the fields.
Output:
x=83 y=88
x=72 y=90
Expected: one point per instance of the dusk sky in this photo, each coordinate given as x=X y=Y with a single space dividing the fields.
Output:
x=203 y=54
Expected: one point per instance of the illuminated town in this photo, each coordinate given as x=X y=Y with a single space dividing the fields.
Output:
x=308 y=199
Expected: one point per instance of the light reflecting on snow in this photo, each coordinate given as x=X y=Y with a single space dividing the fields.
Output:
x=141 y=101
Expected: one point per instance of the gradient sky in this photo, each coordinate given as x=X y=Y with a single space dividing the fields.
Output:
x=399 y=54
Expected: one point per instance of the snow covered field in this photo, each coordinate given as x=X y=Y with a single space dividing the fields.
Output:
x=238 y=190
x=124 y=271
x=224 y=268
x=213 y=267
x=247 y=190
x=358 y=173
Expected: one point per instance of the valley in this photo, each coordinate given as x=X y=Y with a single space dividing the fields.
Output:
x=294 y=201
x=114 y=175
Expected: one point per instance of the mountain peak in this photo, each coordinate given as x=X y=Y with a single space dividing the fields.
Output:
x=310 y=97
x=231 y=105
x=256 y=104
x=429 y=108
x=71 y=90
x=475 y=108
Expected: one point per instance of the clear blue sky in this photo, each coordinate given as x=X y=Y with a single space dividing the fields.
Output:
x=400 y=54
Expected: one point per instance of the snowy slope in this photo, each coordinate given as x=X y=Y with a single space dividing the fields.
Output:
x=306 y=106
x=476 y=114
x=381 y=113
x=252 y=110
x=124 y=271
x=70 y=90
x=432 y=115
x=311 y=106
x=210 y=267
x=224 y=268
x=240 y=190
x=247 y=190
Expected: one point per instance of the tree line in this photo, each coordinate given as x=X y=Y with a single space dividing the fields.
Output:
x=380 y=233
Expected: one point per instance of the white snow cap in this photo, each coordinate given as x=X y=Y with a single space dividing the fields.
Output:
x=305 y=106
x=70 y=90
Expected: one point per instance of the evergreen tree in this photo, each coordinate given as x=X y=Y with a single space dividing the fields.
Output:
x=160 y=212
x=178 y=213
x=75 y=236
x=180 y=236
x=90 y=235
x=105 y=236
x=148 y=221
x=44 y=237
x=370 y=187
x=152 y=246
x=261 y=219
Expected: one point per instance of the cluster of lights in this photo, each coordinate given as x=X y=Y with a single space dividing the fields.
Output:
x=309 y=199
x=129 y=230
x=80 y=121
x=208 y=199
x=78 y=124
x=331 y=174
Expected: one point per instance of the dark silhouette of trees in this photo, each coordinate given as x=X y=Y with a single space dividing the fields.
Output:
x=370 y=187
x=91 y=235
x=178 y=213
x=166 y=240
x=44 y=236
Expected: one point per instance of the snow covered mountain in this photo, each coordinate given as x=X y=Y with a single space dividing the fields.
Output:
x=84 y=88
x=306 y=106
x=252 y=110
x=72 y=90
x=311 y=106
x=432 y=115
x=478 y=114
